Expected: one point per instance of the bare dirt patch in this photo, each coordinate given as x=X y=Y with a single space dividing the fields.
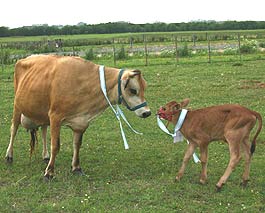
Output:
x=251 y=84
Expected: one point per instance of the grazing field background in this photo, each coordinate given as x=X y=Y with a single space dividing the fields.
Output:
x=140 y=179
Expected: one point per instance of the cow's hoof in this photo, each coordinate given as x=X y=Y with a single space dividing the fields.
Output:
x=47 y=178
x=46 y=160
x=78 y=171
x=244 y=183
x=9 y=160
x=218 y=188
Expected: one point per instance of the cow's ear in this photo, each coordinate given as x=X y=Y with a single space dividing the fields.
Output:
x=185 y=102
x=130 y=74
x=134 y=73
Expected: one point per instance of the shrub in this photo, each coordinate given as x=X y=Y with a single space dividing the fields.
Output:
x=5 y=57
x=184 y=51
x=249 y=47
x=89 y=55
x=262 y=44
x=121 y=54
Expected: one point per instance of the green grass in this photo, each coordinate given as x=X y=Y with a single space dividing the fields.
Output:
x=140 y=179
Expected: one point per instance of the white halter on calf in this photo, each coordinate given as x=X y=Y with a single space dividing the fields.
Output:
x=178 y=137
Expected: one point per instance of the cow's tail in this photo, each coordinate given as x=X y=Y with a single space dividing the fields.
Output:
x=33 y=141
x=253 y=144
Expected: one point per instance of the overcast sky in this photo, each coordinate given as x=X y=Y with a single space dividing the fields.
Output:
x=18 y=13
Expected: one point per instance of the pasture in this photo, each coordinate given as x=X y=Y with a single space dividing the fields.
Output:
x=140 y=179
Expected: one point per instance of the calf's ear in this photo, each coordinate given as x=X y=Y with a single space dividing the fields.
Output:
x=175 y=105
x=185 y=102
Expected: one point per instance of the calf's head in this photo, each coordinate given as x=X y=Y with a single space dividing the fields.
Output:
x=168 y=111
x=131 y=93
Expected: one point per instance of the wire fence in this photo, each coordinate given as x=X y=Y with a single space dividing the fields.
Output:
x=175 y=48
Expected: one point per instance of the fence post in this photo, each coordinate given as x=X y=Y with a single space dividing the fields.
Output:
x=114 y=52
x=239 y=47
x=145 y=50
x=2 y=59
x=209 y=48
x=176 y=49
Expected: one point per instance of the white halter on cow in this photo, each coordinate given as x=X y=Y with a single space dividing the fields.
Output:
x=118 y=112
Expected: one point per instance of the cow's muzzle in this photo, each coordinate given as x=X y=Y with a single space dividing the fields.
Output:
x=146 y=114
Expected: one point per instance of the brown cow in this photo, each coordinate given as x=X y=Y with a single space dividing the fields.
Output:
x=231 y=123
x=57 y=90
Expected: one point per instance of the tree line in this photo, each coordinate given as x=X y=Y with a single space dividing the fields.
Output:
x=125 y=27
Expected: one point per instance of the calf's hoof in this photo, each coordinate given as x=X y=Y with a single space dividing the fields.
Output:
x=177 y=179
x=203 y=181
x=78 y=172
x=9 y=160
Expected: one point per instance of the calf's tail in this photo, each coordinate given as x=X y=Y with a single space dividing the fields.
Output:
x=253 y=144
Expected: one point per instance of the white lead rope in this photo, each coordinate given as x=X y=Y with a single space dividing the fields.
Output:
x=177 y=134
x=118 y=113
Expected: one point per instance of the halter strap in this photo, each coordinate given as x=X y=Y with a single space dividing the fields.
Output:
x=118 y=113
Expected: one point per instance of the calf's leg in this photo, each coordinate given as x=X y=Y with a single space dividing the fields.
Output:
x=246 y=148
x=187 y=156
x=204 y=160
x=234 y=148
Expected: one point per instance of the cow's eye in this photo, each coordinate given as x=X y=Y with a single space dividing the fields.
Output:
x=133 y=91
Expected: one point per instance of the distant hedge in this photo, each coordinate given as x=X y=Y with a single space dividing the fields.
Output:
x=125 y=27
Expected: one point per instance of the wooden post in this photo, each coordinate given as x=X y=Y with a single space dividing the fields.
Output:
x=114 y=52
x=176 y=49
x=73 y=50
x=209 y=48
x=145 y=50
x=239 y=47
x=131 y=42
x=2 y=58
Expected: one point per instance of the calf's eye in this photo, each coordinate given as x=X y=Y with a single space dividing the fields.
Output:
x=133 y=91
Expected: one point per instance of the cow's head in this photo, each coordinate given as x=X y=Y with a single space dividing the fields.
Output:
x=131 y=88
x=171 y=108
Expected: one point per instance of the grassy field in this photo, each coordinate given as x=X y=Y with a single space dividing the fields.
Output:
x=140 y=179
x=125 y=35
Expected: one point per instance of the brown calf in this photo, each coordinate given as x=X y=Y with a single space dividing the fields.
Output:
x=231 y=123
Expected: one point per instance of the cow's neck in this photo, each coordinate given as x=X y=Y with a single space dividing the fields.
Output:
x=111 y=77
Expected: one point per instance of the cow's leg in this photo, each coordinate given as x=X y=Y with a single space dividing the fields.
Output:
x=45 y=153
x=77 y=141
x=204 y=160
x=234 y=148
x=187 y=156
x=246 y=148
x=13 y=132
x=55 y=125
